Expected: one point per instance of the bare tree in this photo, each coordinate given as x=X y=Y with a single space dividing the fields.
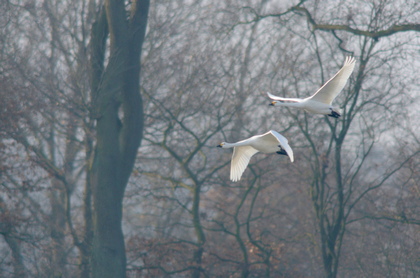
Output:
x=71 y=119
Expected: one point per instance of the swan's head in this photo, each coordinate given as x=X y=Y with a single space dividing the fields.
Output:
x=221 y=145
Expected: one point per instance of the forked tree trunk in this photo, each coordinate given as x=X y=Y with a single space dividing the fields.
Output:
x=115 y=92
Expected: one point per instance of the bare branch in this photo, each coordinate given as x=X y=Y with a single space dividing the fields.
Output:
x=371 y=34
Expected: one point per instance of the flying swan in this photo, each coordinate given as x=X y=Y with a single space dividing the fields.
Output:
x=320 y=102
x=270 y=142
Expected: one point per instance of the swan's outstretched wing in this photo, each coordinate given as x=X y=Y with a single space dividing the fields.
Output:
x=283 y=99
x=284 y=143
x=333 y=87
x=240 y=159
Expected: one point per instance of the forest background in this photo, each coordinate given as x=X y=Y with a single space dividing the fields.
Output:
x=111 y=112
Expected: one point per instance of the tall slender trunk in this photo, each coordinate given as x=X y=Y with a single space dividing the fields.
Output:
x=201 y=238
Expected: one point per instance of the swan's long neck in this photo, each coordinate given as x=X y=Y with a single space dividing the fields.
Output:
x=289 y=104
x=237 y=144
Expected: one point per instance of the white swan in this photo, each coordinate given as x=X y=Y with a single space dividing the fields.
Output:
x=320 y=102
x=270 y=142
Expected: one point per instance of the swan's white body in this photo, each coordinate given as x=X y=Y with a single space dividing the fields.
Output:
x=270 y=142
x=320 y=102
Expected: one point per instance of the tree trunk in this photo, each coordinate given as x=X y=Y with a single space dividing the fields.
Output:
x=18 y=266
x=201 y=238
x=115 y=92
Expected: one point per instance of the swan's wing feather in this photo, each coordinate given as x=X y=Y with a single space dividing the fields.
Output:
x=283 y=99
x=268 y=138
x=284 y=143
x=240 y=159
x=328 y=92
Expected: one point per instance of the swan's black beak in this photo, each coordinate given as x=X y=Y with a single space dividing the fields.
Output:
x=219 y=146
x=273 y=103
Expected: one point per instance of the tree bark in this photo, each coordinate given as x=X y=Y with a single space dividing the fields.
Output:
x=115 y=93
